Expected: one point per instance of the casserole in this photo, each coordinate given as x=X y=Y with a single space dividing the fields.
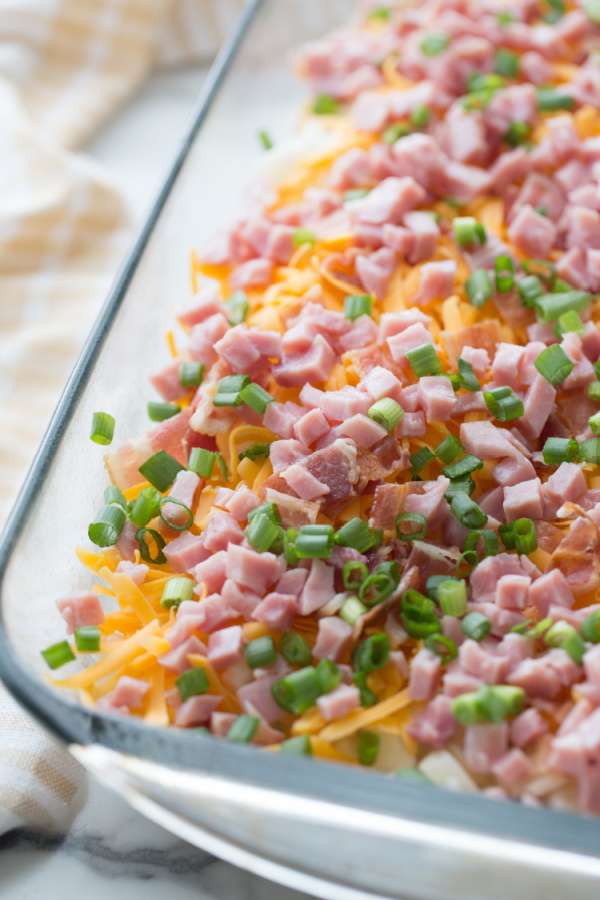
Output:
x=333 y=832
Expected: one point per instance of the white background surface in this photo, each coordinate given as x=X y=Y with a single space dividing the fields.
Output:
x=111 y=852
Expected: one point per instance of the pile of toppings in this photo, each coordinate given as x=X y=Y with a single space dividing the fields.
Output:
x=366 y=523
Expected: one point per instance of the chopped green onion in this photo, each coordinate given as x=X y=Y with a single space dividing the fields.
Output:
x=160 y=470
x=380 y=584
x=529 y=289
x=267 y=509
x=417 y=613
x=504 y=269
x=356 y=534
x=424 y=360
x=460 y=486
x=57 y=655
x=482 y=82
x=569 y=321
x=146 y=506
x=297 y=746
x=503 y=404
x=476 y=626
x=554 y=364
x=114 y=497
x=303 y=236
x=229 y=390
x=420 y=458
x=254 y=396
x=355 y=194
x=433 y=582
x=467 y=378
x=329 y=675
x=594 y=423
x=590 y=451
x=550 y=100
x=265 y=140
x=191 y=374
x=289 y=547
x=506 y=63
x=294 y=649
x=593 y=391
x=297 y=691
x=517 y=133
x=479 y=287
x=395 y=132
x=590 y=628
x=314 y=542
x=192 y=683
x=243 y=729
x=449 y=449
x=260 y=653
x=146 y=550
x=434 y=44
x=103 y=428
x=353 y=574
x=467 y=511
x=442 y=646
x=179 y=519
x=262 y=532
x=176 y=590
x=356 y=305
x=505 y=18
x=420 y=116
x=550 y=307
x=255 y=451
x=411 y=526
x=410 y=773
x=463 y=467
x=201 y=461
x=367 y=697
x=489 y=538
x=367 y=747
x=452 y=597
x=386 y=412
x=564 y=636
x=87 y=639
x=352 y=609
x=159 y=411
x=491 y=703
x=381 y=12
x=468 y=231
x=372 y=653
x=237 y=307
x=532 y=630
x=524 y=535
x=105 y=530
x=592 y=10
x=325 y=105
x=558 y=450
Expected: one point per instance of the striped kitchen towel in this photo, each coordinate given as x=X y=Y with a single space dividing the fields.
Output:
x=65 y=67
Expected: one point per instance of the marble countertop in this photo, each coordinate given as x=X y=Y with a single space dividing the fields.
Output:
x=110 y=850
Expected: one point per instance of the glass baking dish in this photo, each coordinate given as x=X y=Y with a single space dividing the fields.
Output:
x=332 y=831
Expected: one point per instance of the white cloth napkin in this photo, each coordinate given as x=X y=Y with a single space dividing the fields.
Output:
x=65 y=67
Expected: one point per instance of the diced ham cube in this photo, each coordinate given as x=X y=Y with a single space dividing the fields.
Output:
x=336 y=467
x=197 y=710
x=79 y=610
x=436 y=725
x=254 y=273
x=512 y=591
x=414 y=336
x=524 y=500
x=212 y=572
x=375 y=271
x=424 y=232
x=538 y=405
x=177 y=659
x=532 y=233
x=205 y=335
x=257 y=571
x=129 y=692
x=186 y=551
x=485 y=745
x=389 y=201
x=292 y=582
x=339 y=702
x=167 y=381
x=424 y=675
x=481 y=662
x=362 y=430
x=527 y=727
x=333 y=638
x=313 y=366
x=305 y=485
x=567 y=483
x=239 y=598
x=380 y=382
x=318 y=589
x=310 y=427
x=207 y=303
x=336 y=405
x=183 y=490
x=513 y=769
x=225 y=647
x=437 y=281
x=277 y=610
x=436 y=397
x=281 y=417
x=257 y=696
x=241 y=503
x=477 y=357
x=136 y=571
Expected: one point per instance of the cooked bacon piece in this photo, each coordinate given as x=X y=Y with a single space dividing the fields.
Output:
x=335 y=466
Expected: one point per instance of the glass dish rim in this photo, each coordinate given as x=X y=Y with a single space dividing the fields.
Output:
x=74 y=724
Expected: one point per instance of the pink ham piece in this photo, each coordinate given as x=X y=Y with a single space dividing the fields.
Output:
x=339 y=702
x=532 y=233
x=305 y=485
x=509 y=168
x=310 y=427
x=183 y=490
x=485 y=745
x=375 y=271
x=512 y=591
x=221 y=722
x=205 y=304
x=209 y=615
x=380 y=382
x=292 y=582
x=79 y=610
x=293 y=511
x=167 y=382
x=567 y=483
x=136 y=571
x=513 y=769
x=333 y=638
x=318 y=589
x=256 y=571
x=436 y=397
x=277 y=610
x=482 y=662
x=197 y=710
x=177 y=659
x=550 y=588
x=394 y=323
x=127 y=543
x=254 y=273
x=362 y=333
x=225 y=647
x=129 y=692
x=538 y=405
x=465 y=135
x=437 y=281
x=424 y=675
x=389 y=201
x=336 y=467
x=171 y=436
x=486 y=574
x=281 y=417
x=414 y=336
x=577 y=753
x=423 y=234
x=429 y=503
x=186 y=551
x=238 y=598
x=212 y=571
x=505 y=368
x=244 y=347
x=313 y=366
x=477 y=357
x=541 y=191
x=285 y=453
x=257 y=696
x=524 y=500
x=336 y=405
x=204 y=336
x=241 y=503
x=362 y=430
x=436 y=725
x=527 y=727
